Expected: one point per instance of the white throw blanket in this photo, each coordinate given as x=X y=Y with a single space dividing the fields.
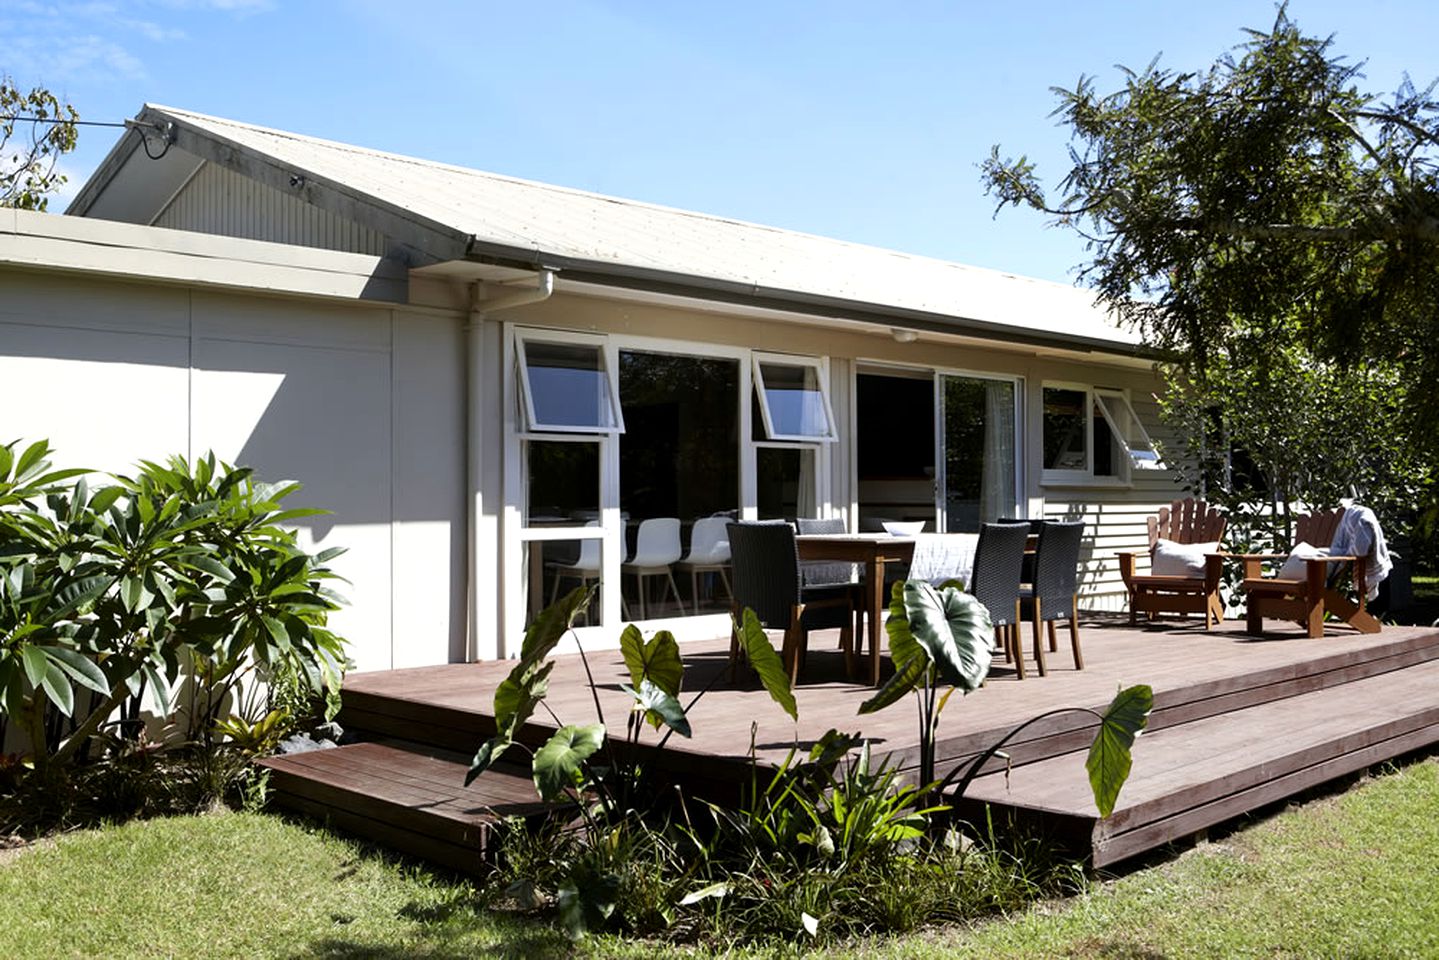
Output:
x=943 y=556
x=1359 y=535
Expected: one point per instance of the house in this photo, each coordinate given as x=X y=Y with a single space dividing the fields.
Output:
x=493 y=382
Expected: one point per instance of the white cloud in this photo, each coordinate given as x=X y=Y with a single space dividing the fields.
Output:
x=154 y=31
x=57 y=57
x=61 y=42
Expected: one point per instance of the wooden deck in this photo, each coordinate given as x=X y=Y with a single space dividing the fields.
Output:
x=1238 y=723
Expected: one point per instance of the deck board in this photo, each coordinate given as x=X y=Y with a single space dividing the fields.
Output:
x=1238 y=722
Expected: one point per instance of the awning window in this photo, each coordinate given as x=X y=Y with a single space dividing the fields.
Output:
x=1128 y=431
x=794 y=398
x=566 y=385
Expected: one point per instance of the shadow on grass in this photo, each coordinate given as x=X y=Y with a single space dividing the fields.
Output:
x=450 y=937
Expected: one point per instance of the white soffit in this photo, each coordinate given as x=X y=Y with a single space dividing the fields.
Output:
x=541 y=220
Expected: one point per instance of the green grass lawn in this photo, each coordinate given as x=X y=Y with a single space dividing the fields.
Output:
x=1351 y=875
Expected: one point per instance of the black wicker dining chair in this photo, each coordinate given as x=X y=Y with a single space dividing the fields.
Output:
x=1054 y=595
x=998 y=560
x=1027 y=574
x=766 y=575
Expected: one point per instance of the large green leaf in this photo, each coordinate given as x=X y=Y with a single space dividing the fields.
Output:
x=902 y=645
x=954 y=629
x=558 y=762
x=80 y=667
x=518 y=694
x=1109 y=759
x=659 y=706
x=515 y=700
x=586 y=900
x=485 y=757
x=552 y=623
x=908 y=675
x=33 y=455
x=57 y=688
x=658 y=660
x=36 y=664
x=766 y=662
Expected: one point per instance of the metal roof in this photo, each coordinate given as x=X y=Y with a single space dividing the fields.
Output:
x=589 y=236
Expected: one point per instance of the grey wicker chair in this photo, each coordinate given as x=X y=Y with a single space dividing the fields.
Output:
x=998 y=560
x=766 y=578
x=1054 y=593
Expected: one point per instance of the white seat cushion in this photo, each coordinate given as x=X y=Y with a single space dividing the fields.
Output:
x=1295 y=568
x=1172 y=559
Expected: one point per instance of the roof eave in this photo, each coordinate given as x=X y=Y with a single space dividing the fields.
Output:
x=631 y=277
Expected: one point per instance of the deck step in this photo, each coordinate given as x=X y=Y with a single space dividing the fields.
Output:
x=406 y=796
x=1191 y=776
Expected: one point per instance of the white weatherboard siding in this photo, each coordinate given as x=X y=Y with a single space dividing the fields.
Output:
x=223 y=202
x=112 y=372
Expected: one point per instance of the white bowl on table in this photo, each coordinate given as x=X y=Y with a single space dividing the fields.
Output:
x=903 y=528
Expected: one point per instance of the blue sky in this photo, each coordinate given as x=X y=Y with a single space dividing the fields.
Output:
x=863 y=121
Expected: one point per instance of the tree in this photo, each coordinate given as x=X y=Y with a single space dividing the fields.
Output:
x=1266 y=200
x=46 y=131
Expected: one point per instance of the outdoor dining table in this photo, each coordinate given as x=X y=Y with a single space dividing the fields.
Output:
x=873 y=550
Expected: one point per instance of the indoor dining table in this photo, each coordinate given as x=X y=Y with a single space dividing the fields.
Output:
x=873 y=550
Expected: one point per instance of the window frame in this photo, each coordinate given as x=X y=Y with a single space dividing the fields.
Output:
x=820 y=366
x=1055 y=476
x=1101 y=398
x=528 y=423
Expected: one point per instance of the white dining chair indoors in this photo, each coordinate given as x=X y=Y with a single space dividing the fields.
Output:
x=585 y=568
x=657 y=547
x=709 y=553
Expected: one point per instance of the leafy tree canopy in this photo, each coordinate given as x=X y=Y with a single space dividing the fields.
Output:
x=35 y=130
x=1265 y=200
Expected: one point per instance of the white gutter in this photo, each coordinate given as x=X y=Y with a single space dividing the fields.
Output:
x=484 y=532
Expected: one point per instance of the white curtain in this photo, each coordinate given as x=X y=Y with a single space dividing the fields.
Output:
x=996 y=497
x=805 y=504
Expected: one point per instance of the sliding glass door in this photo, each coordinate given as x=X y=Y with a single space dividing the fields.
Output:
x=977 y=433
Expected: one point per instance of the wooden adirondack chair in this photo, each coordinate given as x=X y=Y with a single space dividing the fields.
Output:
x=1186 y=521
x=1306 y=600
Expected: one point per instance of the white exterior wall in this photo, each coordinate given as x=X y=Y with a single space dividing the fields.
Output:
x=219 y=201
x=362 y=404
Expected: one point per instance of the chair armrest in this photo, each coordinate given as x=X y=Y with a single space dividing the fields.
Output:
x=1213 y=570
x=1126 y=566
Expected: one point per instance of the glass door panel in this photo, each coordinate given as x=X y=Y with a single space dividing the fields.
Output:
x=978 y=435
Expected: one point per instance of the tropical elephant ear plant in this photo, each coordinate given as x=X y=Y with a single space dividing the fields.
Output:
x=943 y=637
x=113 y=591
x=609 y=796
x=656 y=674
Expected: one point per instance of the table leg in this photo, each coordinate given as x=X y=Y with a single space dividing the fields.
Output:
x=874 y=570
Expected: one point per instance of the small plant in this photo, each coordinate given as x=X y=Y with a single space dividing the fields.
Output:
x=605 y=794
x=944 y=635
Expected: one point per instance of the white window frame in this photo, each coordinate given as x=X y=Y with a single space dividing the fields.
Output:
x=1102 y=398
x=529 y=424
x=1071 y=476
x=819 y=483
x=820 y=366
x=1147 y=457
x=514 y=533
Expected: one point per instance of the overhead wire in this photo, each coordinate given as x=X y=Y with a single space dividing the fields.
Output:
x=142 y=126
